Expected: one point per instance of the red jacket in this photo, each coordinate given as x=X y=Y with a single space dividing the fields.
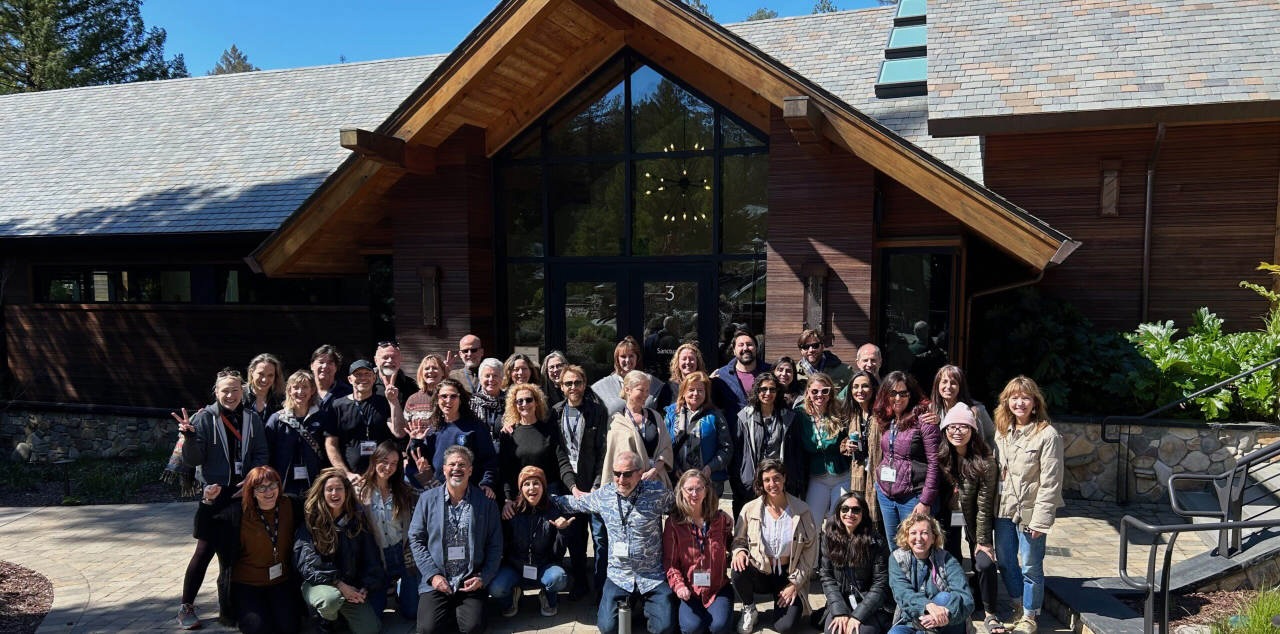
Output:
x=681 y=555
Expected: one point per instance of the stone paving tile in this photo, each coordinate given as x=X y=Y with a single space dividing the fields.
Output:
x=119 y=568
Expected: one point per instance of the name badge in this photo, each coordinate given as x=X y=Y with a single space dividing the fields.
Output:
x=888 y=474
x=457 y=553
x=702 y=578
x=275 y=571
x=239 y=468
x=299 y=473
x=619 y=550
x=531 y=573
x=367 y=447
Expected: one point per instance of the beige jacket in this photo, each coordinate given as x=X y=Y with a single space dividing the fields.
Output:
x=804 y=547
x=1031 y=473
x=625 y=436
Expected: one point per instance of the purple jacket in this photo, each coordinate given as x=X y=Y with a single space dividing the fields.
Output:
x=914 y=457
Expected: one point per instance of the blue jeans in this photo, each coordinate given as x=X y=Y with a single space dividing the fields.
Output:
x=405 y=582
x=1013 y=546
x=659 y=607
x=953 y=626
x=551 y=580
x=717 y=619
x=892 y=513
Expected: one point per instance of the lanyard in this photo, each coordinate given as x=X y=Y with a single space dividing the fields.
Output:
x=234 y=432
x=893 y=440
x=362 y=408
x=273 y=532
x=631 y=501
x=534 y=520
x=701 y=535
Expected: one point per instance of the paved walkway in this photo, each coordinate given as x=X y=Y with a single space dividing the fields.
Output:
x=120 y=568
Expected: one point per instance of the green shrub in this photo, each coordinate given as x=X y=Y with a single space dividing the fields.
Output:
x=1255 y=617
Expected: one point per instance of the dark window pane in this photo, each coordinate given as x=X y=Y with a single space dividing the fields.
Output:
x=746 y=202
x=526 y=146
x=519 y=197
x=586 y=208
x=673 y=207
x=591 y=121
x=526 y=319
x=668 y=117
x=916 y=311
x=742 y=297
x=591 y=320
x=734 y=135
x=671 y=318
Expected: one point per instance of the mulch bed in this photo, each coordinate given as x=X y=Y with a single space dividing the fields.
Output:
x=25 y=598
x=51 y=494
x=1201 y=608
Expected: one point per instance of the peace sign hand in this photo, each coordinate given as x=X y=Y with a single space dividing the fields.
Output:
x=450 y=357
x=392 y=392
x=184 y=422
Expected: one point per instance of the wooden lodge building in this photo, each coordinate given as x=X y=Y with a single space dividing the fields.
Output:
x=578 y=170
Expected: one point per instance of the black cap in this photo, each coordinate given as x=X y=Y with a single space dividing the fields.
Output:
x=361 y=364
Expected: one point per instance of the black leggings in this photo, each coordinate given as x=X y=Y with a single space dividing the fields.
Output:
x=196 y=570
x=261 y=609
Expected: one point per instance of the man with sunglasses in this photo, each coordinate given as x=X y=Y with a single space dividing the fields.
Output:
x=387 y=357
x=632 y=511
x=814 y=357
x=584 y=425
x=731 y=385
x=471 y=352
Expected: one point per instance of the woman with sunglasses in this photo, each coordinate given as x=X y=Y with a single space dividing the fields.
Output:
x=529 y=439
x=970 y=470
x=700 y=438
x=258 y=587
x=789 y=382
x=222 y=442
x=951 y=389
x=552 y=365
x=907 y=474
x=533 y=556
x=853 y=567
x=388 y=503
x=823 y=430
x=641 y=430
x=695 y=547
x=861 y=393
x=337 y=557
x=766 y=429
x=775 y=551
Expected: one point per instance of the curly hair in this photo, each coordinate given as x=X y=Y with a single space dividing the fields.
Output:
x=904 y=530
x=674 y=367
x=511 y=415
x=320 y=522
x=510 y=365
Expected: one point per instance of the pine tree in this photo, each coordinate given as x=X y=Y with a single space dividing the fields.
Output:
x=824 y=6
x=233 y=60
x=762 y=14
x=52 y=44
x=700 y=7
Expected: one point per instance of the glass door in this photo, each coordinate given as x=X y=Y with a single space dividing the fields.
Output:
x=918 y=290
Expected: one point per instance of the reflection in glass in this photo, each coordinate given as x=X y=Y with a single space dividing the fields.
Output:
x=519 y=193
x=667 y=117
x=741 y=304
x=734 y=135
x=586 y=201
x=746 y=202
x=670 y=318
x=673 y=207
x=591 y=325
x=916 y=317
x=591 y=121
x=525 y=305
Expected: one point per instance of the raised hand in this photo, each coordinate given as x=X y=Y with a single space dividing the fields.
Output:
x=184 y=422
x=392 y=392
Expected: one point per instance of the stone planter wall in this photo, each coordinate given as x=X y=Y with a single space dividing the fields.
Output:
x=42 y=436
x=1156 y=450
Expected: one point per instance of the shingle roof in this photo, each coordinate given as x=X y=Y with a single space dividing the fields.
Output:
x=1005 y=57
x=842 y=52
x=222 y=153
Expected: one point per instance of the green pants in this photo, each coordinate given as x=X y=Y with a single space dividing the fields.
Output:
x=330 y=604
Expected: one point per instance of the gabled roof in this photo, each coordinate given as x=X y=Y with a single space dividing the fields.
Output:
x=221 y=153
x=1000 y=65
x=529 y=53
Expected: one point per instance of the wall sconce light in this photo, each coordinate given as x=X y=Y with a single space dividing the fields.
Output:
x=430 y=278
x=815 y=295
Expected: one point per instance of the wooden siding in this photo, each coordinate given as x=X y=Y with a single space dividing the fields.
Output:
x=820 y=211
x=161 y=355
x=446 y=221
x=908 y=214
x=1214 y=216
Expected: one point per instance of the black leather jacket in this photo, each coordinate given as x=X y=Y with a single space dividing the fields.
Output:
x=356 y=561
x=871 y=583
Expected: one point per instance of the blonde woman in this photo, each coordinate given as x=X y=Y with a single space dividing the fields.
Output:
x=686 y=361
x=1029 y=452
x=295 y=434
x=823 y=430
x=639 y=429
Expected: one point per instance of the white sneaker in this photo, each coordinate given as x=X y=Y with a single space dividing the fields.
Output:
x=749 y=619
x=545 y=602
x=511 y=610
x=187 y=617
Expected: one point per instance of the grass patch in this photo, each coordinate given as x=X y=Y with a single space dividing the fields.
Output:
x=1256 y=617
x=93 y=480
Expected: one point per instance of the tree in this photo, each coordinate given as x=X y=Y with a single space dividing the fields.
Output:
x=51 y=44
x=762 y=14
x=824 y=6
x=233 y=60
x=701 y=7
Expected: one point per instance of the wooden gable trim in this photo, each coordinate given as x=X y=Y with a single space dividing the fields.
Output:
x=807 y=123
x=389 y=151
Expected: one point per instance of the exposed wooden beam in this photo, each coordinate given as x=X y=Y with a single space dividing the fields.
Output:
x=607 y=13
x=390 y=151
x=807 y=123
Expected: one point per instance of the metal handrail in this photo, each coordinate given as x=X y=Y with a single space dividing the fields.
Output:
x=1148 y=585
x=1228 y=487
x=1122 y=479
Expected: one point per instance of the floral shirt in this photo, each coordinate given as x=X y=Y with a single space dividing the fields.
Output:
x=634 y=524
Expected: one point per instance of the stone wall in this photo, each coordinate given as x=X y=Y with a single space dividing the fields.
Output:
x=1155 y=451
x=43 y=436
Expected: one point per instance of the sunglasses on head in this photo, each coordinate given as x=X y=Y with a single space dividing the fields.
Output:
x=389 y=344
x=232 y=373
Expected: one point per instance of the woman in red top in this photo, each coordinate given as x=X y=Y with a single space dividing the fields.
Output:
x=695 y=544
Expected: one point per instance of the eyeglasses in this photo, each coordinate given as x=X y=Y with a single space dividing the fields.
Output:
x=811 y=346
x=851 y=510
x=957 y=429
x=767 y=390
x=469 y=350
x=448 y=397
x=822 y=391
x=578 y=383
x=624 y=474
x=266 y=488
x=389 y=344
x=899 y=393
x=524 y=400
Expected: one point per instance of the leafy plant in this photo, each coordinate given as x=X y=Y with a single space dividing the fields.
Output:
x=1256 y=617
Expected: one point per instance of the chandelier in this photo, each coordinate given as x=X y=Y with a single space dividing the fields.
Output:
x=683 y=185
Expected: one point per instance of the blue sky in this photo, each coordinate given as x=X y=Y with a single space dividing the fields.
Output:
x=289 y=34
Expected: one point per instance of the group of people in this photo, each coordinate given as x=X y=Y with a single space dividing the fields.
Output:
x=460 y=487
